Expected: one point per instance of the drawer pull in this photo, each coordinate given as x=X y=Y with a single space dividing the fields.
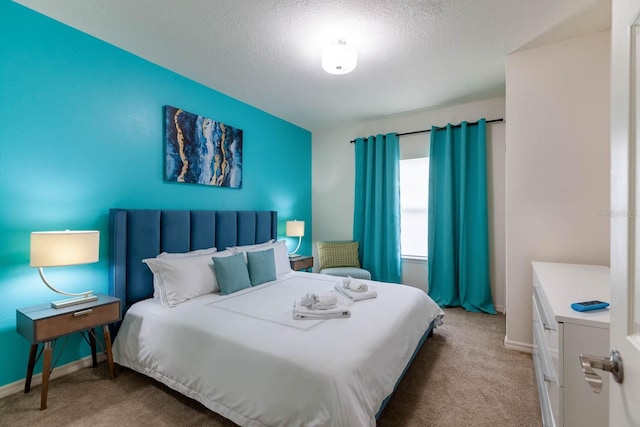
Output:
x=82 y=312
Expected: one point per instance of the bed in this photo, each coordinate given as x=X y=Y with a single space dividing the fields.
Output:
x=243 y=355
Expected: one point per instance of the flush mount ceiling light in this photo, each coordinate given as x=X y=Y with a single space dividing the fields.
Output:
x=339 y=58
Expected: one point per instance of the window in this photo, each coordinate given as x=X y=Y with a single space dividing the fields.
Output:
x=414 y=196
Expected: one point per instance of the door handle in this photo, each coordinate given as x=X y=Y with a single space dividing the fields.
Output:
x=612 y=364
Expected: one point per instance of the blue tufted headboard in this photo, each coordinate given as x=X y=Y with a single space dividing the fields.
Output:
x=136 y=234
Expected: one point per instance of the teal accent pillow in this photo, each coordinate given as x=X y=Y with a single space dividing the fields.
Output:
x=231 y=273
x=262 y=266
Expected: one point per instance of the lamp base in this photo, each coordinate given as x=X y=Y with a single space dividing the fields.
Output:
x=73 y=301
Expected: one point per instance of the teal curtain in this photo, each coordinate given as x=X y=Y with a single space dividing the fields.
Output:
x=376 y=219
x=458 y=237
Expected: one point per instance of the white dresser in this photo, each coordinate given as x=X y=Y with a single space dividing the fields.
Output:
x=561 y=334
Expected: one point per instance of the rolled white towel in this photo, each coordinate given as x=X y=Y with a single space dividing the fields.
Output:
x=354 y=285
x=356 y=296
x=319 y=302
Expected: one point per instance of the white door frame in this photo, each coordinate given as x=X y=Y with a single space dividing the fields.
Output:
x=624 y=398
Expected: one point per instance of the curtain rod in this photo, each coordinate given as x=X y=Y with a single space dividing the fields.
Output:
x=442 y=127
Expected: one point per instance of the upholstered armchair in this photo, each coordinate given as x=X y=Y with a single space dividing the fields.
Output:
x=340 y=258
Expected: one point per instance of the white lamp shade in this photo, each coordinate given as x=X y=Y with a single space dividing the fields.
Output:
x=58 y=248
x=339 y=58
x=295 y=229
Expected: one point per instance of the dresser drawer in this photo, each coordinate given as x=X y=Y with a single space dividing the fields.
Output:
x=549 y=415
x=550 y=331
x=546 y=310
x=547 y=377
x=69 y=321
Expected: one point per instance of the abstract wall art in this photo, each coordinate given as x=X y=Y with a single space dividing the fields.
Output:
x=199 y=150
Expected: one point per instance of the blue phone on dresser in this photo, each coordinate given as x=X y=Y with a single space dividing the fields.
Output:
x=589 y=305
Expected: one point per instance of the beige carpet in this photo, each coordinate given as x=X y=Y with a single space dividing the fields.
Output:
x=463 y=376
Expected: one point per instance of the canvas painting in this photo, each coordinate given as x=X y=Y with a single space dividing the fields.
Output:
x=199 y=150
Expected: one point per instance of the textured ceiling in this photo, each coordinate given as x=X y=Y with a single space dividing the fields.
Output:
x=412 y=54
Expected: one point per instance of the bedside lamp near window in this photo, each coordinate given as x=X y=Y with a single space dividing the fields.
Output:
x=60 y=248
x=295 y=229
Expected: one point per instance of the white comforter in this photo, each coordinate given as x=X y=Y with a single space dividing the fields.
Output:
x=246 y=358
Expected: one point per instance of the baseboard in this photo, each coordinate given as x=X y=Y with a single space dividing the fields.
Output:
x=500 y=309
x=516 y=345
x=58 y=372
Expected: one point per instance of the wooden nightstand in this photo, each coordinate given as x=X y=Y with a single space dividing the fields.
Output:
x=43 y=324
x=301 y=263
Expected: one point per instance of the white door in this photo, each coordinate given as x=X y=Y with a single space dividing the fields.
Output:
x=625 y=209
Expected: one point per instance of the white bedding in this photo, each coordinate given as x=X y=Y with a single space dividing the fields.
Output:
x=246 y=358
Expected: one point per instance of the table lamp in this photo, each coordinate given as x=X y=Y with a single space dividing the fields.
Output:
x=295 y=229
x=61 y=248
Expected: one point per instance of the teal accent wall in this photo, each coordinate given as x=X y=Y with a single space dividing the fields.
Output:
x=82 y=131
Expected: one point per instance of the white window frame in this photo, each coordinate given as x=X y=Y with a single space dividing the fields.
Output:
x=414 y=147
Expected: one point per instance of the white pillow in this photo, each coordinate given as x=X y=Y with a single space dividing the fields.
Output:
x=250 y=248
x=198 y=252
x=178 y=279
x=280 y=254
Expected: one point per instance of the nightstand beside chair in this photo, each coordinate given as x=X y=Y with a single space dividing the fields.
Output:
x=301 y=263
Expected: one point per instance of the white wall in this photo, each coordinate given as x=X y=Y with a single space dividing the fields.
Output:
x=557 y=165
x=333 y=179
